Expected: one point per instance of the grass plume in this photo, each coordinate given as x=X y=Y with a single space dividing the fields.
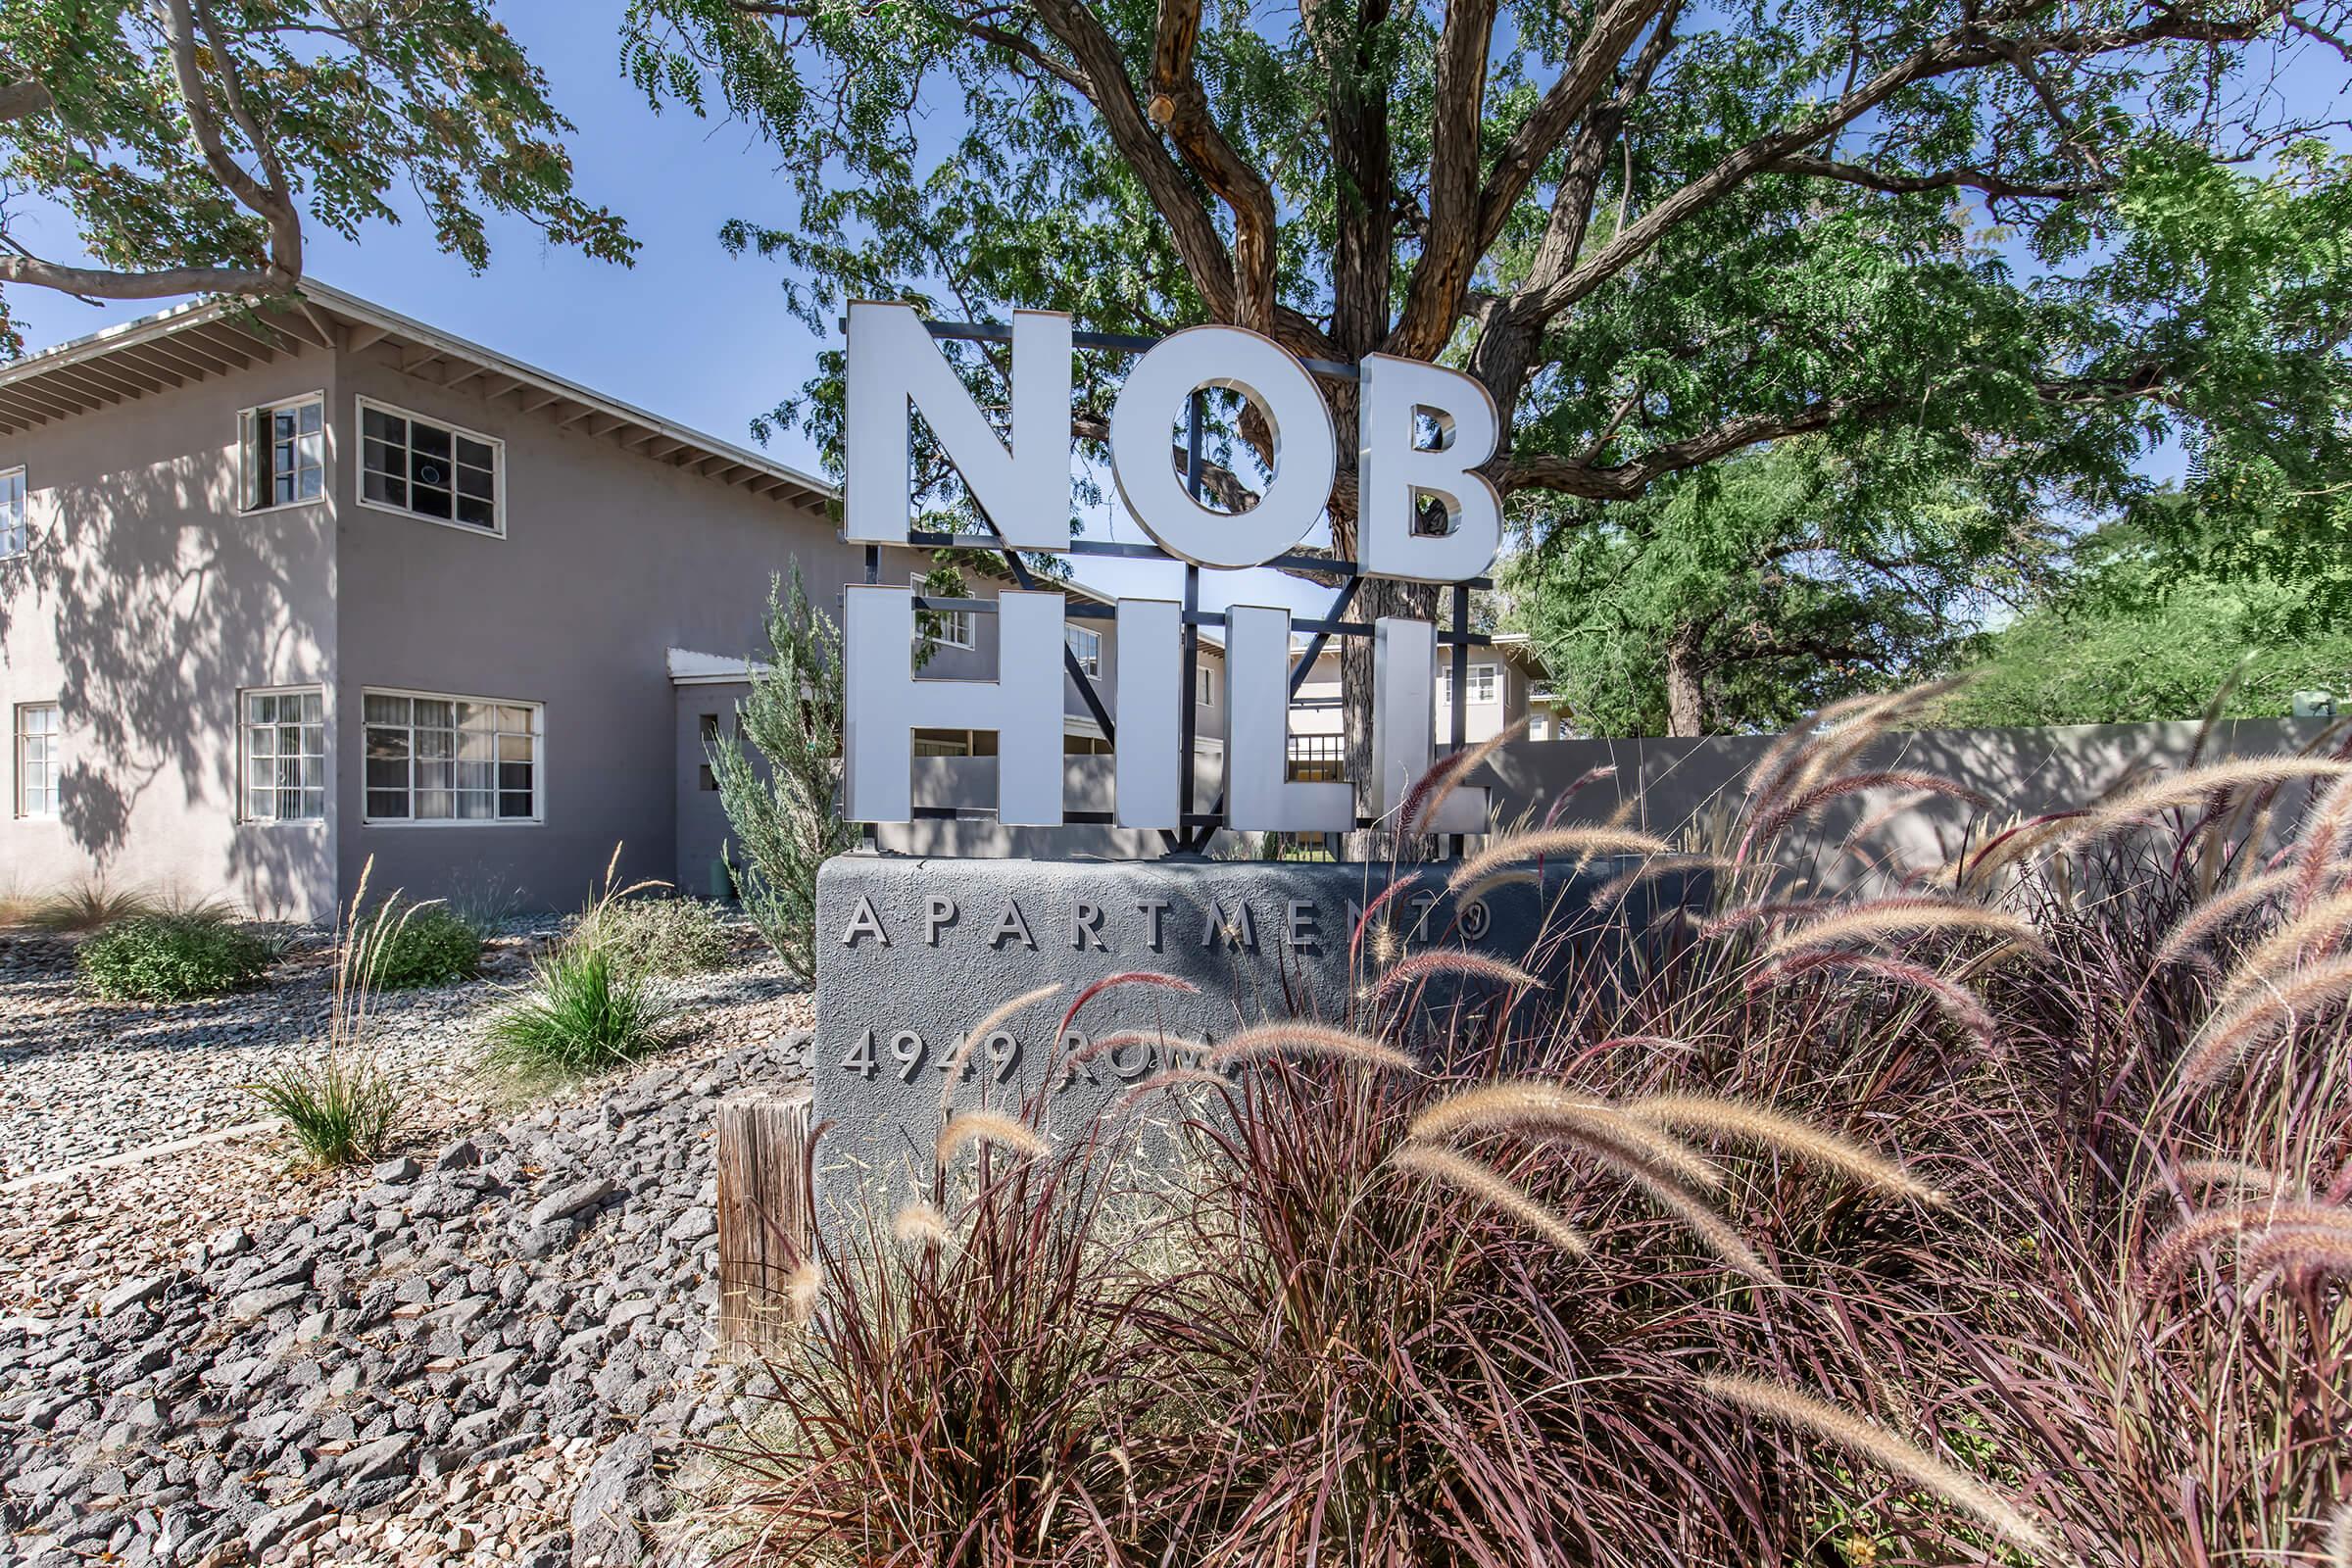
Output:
x=1884 y=1448
x=1582 y=843
x=1882 y=919
x=1491 y=1187
x=989 y=1127
x=1299 y=1037
x=2233 y=1036
x=1754 y=1123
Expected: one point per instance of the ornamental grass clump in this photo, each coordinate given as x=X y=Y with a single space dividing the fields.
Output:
x=582 y=1014
x=171 y=957
x=343 y=1105
x=657 y=936
x=1952 y=1212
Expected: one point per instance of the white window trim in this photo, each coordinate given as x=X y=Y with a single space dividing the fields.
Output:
x=360 y=404
x=1094 y=657
x=18 y=471
x=16 y=762
x=327 y=757
x=1204 y=685
x=539 y=780
x=1493 y=677
x=964 y=617
x=326 y=453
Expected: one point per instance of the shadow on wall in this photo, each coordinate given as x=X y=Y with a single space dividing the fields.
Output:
x=161 y=602
x=1681 y=787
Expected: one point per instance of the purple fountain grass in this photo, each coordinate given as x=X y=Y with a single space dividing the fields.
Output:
x=1448 y=961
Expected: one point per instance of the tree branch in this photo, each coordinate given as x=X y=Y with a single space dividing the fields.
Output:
x=1181 y=105
x=1994 y=186
x=103 y=283
x=270 y=202
x=1580 y=82
x=1965 y=50
x=21 y=98
x=1457 y=116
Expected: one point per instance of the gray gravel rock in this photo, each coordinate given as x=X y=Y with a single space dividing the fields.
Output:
x=542 y=1292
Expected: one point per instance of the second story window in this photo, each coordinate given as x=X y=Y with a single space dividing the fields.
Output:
x=1205 y=686
x=1482 y=684
x=1087 y=646
x=430 y=470
x=282 y=454
x=13 y=535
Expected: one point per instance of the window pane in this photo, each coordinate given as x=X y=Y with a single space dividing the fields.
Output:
x=381 y=426
x=475 y=452
x=314 y=708
x=313 y=416
x=387 y=803
x=382 y=709
x=428 y=503
x=387 y=773
x=517 y=748
x=429 y=440
x=522 y=720
x=510 y=803
x=513 y=775
x=475 y=806
x=434 y=805
x=477 y=514
x=392 y=492
x=436 y=713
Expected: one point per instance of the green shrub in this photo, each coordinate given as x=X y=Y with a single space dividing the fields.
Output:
x=171 y=957
x=657 y=936
x=581 y=1014
x=425 y=945
x=337 y=1112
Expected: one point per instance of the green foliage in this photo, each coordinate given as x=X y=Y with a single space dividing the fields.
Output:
x=581 y=1014
x=657 y=936
x=337 y=1112
x=2140 y=633
x=783 y=806
x=303 y=113
x=2015 y=238
x=1741 y=596
x=426 y=945
x=171 y=957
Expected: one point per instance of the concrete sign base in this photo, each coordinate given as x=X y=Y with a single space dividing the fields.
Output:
x=912 y=953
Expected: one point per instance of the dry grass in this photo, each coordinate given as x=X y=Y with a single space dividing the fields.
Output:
x=1491 y=1187
x=989 y=1128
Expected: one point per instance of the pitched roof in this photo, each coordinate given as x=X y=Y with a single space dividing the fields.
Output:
x=211 y=338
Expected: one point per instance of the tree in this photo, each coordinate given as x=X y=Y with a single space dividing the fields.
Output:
x=2138 y=632
x=1744 y=596
x=1658 y=234
x=192 y=140
x=784 y=808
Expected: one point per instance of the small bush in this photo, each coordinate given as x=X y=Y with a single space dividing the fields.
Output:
x=171 y=957
x=336 y=1112
x=657 y=936
x=425 y=945
x=582 y=1015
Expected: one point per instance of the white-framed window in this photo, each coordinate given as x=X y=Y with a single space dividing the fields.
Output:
x=281 y=452
x=1483 y=683
x=1204 y=685
x=15 y=535
x=432 y=470
x=1087 y=644
x=38 y=759
x=955 y=626
x=284 y=735
x=470 y=760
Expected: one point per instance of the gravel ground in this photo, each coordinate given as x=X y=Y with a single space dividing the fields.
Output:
x=495 y=1353
x=81 y=1079
x=489 y=1349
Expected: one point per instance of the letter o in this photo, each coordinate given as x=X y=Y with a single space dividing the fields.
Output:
x=1305 y=446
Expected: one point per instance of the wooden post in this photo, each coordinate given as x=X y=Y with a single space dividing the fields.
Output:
x=765 y=1229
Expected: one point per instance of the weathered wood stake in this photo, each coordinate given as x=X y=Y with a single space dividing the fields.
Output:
x=764 y=1214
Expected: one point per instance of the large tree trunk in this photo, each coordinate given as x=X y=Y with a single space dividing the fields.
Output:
x=1378 y=597
x=1686 y=687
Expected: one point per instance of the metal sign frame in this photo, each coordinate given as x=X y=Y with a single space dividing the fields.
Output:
x=1198 y=827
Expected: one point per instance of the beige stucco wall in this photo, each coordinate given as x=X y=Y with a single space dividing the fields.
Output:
x=609 y=560
x=145 y=603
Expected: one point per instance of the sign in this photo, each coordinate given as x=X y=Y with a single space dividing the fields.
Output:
x=1425 y=513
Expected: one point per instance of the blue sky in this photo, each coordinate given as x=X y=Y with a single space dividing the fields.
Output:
x=689 y=332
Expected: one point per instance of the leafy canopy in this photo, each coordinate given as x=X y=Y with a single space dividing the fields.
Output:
x=191 y=141
x=1743 y=596
x=2136 y=634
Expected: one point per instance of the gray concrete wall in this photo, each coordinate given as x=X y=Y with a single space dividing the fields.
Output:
x=144 y=606
x=1678 y=787
x=609 y=560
